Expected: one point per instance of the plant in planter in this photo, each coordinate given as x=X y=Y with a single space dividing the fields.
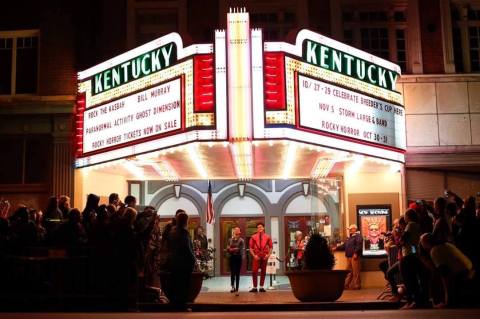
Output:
x=205 y=261
x=317 y=281
x=317 y=254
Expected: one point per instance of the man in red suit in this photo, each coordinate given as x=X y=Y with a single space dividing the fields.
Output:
x=260 y=249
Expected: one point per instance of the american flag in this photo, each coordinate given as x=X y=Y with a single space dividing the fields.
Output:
x=210 y=211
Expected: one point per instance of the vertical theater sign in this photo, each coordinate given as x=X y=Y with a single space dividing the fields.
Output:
x=242 y=109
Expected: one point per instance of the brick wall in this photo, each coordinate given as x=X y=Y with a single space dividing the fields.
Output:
x=431 y=35
x=319 y=16
x=57 y=52
x=202 y=20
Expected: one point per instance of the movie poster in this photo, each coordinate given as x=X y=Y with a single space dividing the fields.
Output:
x=373 y=222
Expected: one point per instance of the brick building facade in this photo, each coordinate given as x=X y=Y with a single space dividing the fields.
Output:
x=435 y=41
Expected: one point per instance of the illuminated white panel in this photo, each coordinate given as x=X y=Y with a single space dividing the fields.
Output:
x=332 y=109
x=257 y=83
x=239 y=73
x=221 y=83
x=240 y=92
x=326 y=141
x=148 y=113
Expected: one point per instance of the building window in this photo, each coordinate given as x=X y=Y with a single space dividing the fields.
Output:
x=18 y=62
x=275 y=25
x=379 y=32
x=149 y=20
x=466 y=37
x=25 y=160
x=151 y=24
x=375 y=41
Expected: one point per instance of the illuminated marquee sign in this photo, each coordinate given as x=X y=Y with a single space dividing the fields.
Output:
x=138 y=67
x=153 y=112
x=158 y=95
x=350 y=65
x=300 y=113
x=116 y=114
x=328 y=108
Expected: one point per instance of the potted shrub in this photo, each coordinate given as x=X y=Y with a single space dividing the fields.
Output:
x=317 y=281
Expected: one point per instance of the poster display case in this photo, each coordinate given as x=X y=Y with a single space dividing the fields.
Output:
x=374 y=221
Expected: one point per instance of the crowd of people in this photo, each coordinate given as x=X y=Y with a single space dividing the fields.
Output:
x=433 y=249
x=433 y=253
x=127 y=245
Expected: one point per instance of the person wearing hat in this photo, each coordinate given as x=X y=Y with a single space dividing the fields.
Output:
x=353 y=251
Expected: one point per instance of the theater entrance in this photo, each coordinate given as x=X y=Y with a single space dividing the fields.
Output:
x=248 y=227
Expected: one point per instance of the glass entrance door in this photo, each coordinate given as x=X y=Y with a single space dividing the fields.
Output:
x=293 y=224
x=248 y=227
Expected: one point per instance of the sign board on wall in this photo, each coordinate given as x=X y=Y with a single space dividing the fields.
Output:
x=333 y=109
x=374 y=221
x=149 y=113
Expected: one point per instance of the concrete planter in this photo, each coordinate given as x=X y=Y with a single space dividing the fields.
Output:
x=317 y=285
x=196 y=281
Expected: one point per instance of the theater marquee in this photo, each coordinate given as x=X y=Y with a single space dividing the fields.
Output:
x=155 y=96
x=236 y=91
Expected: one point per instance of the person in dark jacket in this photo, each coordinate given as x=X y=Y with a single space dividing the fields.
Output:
x=353 y=252
x=235 y=249
x=71 y=233
x=52 y=216
x=90 y=212
x=182 y=261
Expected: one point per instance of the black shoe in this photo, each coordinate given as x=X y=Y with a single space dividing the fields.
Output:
x=262 y=290
x=232 y=290
x=253 y=290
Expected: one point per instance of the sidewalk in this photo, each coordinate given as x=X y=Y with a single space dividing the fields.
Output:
x=215 y=296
